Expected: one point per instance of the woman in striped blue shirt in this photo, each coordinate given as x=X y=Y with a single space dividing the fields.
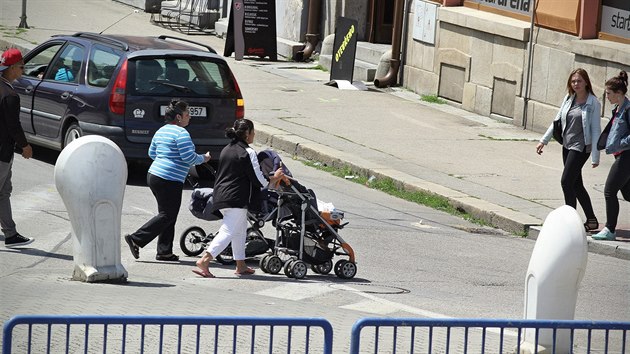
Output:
x=173 y=153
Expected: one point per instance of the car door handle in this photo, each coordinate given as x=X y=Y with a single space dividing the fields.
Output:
x=66 y=95
x=28 y=89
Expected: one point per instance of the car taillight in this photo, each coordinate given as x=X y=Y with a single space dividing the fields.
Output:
x=240 y=102
x=117 y=96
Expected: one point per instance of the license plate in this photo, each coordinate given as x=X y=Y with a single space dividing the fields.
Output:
x=195 y=112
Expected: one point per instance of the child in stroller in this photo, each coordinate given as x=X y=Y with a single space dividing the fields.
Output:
x=307 y=233
x=195 y=240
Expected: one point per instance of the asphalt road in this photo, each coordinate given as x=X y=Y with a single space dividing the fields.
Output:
x=412 y=260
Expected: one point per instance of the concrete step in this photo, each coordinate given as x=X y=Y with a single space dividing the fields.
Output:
x=363 y=71
x=371 y=52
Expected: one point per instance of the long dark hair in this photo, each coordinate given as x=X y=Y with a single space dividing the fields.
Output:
x=176 y=107
x=240 y=129
x=584 y=75
x=618 y=83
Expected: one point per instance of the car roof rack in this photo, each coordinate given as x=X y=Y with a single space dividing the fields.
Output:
x=209 y=48
x=103 y=38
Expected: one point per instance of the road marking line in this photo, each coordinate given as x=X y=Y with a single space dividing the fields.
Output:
x=296 y=291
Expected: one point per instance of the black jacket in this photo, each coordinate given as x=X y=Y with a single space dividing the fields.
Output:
x=236 y=184
x=11 y=133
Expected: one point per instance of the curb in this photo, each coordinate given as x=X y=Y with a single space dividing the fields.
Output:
x=499 y=216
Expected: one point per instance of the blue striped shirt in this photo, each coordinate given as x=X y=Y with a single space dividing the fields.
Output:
x=173 y=153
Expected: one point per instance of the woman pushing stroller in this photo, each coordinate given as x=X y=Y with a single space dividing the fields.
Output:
x=238 y=181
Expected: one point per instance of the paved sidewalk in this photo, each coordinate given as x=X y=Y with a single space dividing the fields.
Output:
x=485 y=167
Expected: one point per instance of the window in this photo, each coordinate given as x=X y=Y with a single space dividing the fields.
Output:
x=101 y=65
x=186 y=77
x=67 y=66
x=37 y=65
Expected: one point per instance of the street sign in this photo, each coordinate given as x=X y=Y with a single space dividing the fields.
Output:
x=252 y=29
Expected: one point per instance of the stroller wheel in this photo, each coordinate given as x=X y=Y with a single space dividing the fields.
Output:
x=192 y=242
x=288 y=268
x=323 y=268
x=274 y=264
x=298 y=269
x=263 y=263
x=345 y=269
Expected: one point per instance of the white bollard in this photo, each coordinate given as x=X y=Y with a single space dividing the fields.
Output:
x=554 y=274
x=90 y=175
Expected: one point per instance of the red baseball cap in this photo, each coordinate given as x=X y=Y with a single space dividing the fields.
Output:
x=9 y=57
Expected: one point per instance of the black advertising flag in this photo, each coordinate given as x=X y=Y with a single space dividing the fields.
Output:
x=344 y=49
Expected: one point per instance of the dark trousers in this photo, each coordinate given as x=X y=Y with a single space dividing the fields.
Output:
x=618 y=180
x=169 y=198
x=572 y=183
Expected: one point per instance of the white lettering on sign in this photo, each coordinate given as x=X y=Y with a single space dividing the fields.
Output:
x=517 y=6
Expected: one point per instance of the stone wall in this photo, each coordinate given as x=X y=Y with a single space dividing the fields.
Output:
x=291 y=19
x=480 y=61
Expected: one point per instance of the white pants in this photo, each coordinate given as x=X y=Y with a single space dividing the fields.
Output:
x=233 y=229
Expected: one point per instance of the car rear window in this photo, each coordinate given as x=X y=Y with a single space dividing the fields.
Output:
x=189 y=77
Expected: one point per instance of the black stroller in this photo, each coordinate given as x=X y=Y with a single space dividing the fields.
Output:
x=195 y=240
x=306 y=236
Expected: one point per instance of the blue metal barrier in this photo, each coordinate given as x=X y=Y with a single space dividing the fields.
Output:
x=170 y=334
x=420 y=335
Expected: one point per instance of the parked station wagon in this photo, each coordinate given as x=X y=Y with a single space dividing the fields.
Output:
x=119 y=86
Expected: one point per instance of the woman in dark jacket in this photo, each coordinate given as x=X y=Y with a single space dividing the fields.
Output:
x=238 y=181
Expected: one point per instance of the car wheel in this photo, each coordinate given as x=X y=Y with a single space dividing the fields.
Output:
x=73 y=133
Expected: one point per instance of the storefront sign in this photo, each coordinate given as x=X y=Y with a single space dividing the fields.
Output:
x=252 y=29
x=616 y=17
x=517 y=6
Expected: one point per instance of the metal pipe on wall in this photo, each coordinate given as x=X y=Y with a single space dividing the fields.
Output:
x=390 y=78
x=312 y=31
x=405 y=36
x=530 y=58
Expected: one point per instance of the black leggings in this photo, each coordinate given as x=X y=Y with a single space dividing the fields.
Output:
x=169 y=198
x=618 y=180
x=572 y=183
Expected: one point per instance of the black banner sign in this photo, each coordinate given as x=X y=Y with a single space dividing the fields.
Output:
x=344 y=49
x=252 y=29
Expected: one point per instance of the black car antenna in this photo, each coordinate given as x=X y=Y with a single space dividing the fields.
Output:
x=124 y=17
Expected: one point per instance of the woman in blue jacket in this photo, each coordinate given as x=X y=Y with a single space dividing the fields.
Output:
x=580 y=116
x=616 y=141
x=173 y=153
x=238 y=181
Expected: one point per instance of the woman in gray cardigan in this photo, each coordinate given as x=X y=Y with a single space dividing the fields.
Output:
x=580 y=116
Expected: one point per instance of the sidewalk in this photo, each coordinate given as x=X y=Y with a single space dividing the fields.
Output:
x=485 y=167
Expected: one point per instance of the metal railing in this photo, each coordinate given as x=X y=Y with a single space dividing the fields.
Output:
x=418 y=335
x=165 y=334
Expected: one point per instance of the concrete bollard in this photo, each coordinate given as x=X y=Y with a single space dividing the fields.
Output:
x=90 y=175
x=556 y=268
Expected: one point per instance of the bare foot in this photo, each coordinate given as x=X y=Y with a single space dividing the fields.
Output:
x=202 y=273
x=245 y=271
x=202 y=266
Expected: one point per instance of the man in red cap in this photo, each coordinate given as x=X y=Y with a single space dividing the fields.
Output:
x=11 y=139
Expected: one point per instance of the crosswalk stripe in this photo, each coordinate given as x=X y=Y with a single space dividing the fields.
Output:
x=296 y=291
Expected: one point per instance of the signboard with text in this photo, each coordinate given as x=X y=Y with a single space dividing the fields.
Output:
x=516 y=6
x=616 y=18
x=252 y=29
x=344 y=49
